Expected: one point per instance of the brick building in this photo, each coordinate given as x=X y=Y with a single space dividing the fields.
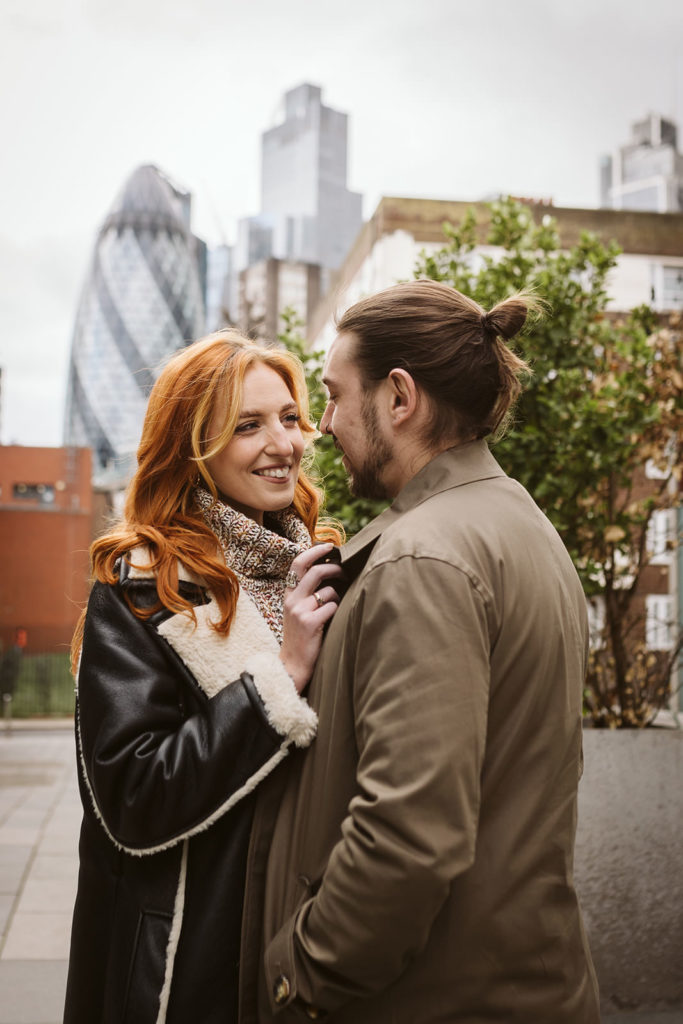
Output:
x=649 y=269
x=45 y=533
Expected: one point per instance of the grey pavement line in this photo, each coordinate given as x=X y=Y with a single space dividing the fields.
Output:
x=11 y=808
x=22 y=726
x=29 y=863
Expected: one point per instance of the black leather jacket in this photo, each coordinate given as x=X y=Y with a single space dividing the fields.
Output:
x=167 y=775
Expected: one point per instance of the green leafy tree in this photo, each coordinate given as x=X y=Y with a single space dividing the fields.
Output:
x=605 y=400
x=352 y=512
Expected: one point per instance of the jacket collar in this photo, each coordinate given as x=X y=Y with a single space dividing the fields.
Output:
x=452 y=468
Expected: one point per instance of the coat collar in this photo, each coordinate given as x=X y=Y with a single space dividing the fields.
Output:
x=452 y=468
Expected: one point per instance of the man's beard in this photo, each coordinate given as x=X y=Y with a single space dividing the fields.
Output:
x=365 y=480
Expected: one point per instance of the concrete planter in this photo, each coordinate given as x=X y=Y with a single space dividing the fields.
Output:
x=629 y=865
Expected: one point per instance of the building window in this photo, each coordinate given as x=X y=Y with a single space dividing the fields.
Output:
x=666 y=286
x=661 y=536
x=659 y=622
x=42 y=494
x=596 y=621
x=672 y=287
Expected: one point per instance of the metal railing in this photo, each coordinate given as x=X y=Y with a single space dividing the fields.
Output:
x=41 y=685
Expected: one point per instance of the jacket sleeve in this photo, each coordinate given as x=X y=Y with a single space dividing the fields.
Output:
x=161 y=759
x=421 y=696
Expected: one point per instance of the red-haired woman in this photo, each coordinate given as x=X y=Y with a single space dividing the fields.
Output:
x=201 y=632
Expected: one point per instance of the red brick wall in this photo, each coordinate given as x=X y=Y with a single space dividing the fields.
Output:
x=44 y=563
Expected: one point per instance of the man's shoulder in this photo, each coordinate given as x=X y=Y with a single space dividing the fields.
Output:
x=452 y=513
x=461 y=518
x=432 y=530
x=474 y=528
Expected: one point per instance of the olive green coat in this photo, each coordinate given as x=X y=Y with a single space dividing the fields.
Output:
x=421 y=862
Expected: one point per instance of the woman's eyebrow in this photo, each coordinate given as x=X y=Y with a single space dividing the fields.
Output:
x=256 y=413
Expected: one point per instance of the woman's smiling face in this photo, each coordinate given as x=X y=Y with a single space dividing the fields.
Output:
x=258 y=469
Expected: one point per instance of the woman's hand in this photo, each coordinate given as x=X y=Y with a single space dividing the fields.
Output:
x=309 y=606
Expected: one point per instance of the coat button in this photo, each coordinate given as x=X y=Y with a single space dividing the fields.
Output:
x=281 y=990
x=312 y=1012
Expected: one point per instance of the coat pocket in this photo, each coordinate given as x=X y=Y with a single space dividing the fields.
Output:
x=147 y=968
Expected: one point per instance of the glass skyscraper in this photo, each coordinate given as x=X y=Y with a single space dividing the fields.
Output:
x=142 y=300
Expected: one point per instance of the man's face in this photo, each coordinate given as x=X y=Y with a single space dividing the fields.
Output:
x=351 y=417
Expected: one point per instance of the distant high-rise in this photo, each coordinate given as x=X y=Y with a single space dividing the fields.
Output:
x=309 y=218
x=647 y=172
x=307 y=213
x=303 y=181
x=218 y=272
x=143 y=299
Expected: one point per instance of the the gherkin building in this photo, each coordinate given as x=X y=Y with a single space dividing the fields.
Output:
x=143 y=299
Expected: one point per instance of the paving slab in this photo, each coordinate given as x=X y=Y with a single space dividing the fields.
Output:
x=14 y=859
x=48 y=865
x=32 y=993
x=58 y=894
x=39 y=936
x=39 y=824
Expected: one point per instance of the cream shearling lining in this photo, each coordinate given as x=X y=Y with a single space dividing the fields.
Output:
x=216 y=660
x=174 y=937
x=140 y=567
x=288 y=713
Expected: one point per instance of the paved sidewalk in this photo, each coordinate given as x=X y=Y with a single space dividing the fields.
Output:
x=40 y=817
x=39 y=824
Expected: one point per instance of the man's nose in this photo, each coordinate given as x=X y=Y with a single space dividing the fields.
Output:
x=326 y=420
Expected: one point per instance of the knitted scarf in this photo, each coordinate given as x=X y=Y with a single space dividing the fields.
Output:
x=260 y=558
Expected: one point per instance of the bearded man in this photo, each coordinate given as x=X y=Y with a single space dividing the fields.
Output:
x=420 y=869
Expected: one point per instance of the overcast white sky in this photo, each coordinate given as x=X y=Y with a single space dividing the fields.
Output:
x=450 y=99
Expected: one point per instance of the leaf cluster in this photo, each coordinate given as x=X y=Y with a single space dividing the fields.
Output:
x=604 y=403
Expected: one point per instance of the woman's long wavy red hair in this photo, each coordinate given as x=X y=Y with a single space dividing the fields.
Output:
x=159 y=511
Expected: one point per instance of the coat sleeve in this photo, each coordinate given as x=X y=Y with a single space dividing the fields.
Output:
x=421 y=697
x=162 y=760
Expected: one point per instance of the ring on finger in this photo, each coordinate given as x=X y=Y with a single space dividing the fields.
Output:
x=319 y=598
x=291 y=580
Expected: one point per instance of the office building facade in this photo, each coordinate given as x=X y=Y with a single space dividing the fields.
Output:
x=314 y=216
x=268 y=287
x=308 y=216
x=647 y=172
